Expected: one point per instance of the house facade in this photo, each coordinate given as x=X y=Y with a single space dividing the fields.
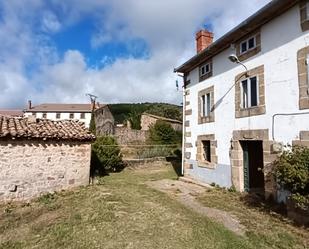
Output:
x=40 y=156
x=53 y=111
x=241 y=109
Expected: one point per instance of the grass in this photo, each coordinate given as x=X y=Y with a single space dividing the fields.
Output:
x=122 y=212
x=265 y=227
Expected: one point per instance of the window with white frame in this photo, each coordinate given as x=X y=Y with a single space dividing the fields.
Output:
x=205 y=69
x=206 y=105
x=249 y=92
x=248 y=45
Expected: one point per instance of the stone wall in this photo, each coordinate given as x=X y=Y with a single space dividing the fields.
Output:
x=126 y=135
x=29 y=168
x=148 y=120
x=104 y=121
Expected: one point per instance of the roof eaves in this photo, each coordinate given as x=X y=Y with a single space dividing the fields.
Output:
x=236 y=33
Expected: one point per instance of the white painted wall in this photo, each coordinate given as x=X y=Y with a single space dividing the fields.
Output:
x=63 y=116
x=280 y=39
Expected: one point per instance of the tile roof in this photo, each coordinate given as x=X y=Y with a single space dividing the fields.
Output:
x=11 y=112
x=53 y=107
x=32 y=128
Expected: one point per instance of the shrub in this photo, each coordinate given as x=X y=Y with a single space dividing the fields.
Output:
x=105 y=155
x=292 y=170
x=92 y=126
x=163 y=133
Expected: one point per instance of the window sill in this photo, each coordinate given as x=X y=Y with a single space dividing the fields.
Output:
x=249 y=112
x=205 y=164
x=204 y=120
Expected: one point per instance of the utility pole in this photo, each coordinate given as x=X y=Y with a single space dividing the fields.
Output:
x=92 y=100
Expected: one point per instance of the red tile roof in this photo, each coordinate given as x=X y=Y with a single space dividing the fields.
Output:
x=32 y=128
x=52 y=107
x=11 y=112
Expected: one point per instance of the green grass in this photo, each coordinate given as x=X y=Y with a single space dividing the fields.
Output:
x=120 y=212
x=265 y=228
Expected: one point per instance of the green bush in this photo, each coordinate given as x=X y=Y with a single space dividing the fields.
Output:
x=105 y=155
x=163 y=133
x=292 y=173
x=292 y=170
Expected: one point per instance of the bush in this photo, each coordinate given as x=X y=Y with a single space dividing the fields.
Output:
x=105 y=155
x=163 y=133
x=292 y=170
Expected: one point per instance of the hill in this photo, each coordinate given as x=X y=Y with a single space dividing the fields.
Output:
x=133 y=111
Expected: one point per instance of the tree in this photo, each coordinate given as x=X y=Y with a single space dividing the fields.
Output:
x=163 y=133
x=105 y=155
x=92 y=126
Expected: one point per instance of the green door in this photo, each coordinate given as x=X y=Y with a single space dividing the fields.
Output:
x=245 y=148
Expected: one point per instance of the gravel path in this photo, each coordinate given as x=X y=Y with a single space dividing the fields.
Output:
x=186 y=192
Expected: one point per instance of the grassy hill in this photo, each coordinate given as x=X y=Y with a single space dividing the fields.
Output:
x=133 y=111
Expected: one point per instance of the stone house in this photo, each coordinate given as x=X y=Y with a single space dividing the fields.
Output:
x=104 y=121
x=148 y=120
x=246 y=95
x=56 y=111
x=40 y=155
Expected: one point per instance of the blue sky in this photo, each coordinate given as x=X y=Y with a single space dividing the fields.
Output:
x=120 y=50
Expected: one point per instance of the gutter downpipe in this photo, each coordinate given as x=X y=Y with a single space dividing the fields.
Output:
x=183 y=127
x=283 y=114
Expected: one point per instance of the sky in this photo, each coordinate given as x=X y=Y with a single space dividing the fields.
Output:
x=119 y=50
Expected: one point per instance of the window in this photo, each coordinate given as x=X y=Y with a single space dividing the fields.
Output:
x=206 y=105
x=71 y=115
x=205 y=69
x=58 y=115
x=82 y=116
x=304 y=15
x=303 y=77
x=206 y=150
x=249 y=92
x=44 y=115
x=33 y=114
x=248 y=45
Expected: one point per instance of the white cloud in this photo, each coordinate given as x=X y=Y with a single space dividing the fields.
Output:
x=50 y=22
x=167 y=26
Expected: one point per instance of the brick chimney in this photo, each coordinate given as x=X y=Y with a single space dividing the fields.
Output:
x=29 y=104
x=203 y=39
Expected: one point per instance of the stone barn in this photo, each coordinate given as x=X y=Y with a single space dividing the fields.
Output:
x=148 y=120
x=39 y=156
x=104 y=121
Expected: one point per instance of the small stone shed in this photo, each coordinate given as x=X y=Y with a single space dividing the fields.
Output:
x=39 y=156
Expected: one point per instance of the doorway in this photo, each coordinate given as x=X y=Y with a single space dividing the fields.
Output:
x=253 y=164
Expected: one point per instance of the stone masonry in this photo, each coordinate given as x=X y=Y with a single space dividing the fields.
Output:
x=31 y=167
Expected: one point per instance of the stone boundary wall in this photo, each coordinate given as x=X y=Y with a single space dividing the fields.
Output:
x=154 y=162
x=147 y=120
x=126 y=135
x=31 y=167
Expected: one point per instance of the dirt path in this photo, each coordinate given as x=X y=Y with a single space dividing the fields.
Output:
x=186 y=193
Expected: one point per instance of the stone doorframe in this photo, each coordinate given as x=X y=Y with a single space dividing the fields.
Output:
x=236 y=156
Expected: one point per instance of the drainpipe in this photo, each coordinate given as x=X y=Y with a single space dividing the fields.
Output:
x=183 y=127
x=283 y=114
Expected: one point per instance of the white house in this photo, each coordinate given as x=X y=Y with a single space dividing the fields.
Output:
x=53 y=111
x=240 y=109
